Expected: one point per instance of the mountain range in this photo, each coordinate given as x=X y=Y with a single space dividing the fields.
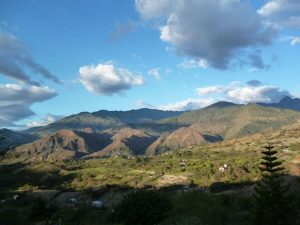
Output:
x=146 y=131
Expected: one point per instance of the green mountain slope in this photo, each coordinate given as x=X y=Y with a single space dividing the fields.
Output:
x=104 y=119
x=235 y=120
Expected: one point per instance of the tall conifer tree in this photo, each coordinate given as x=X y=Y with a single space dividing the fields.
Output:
x=272 y=204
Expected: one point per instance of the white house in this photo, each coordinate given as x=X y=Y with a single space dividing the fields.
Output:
x=97 y=204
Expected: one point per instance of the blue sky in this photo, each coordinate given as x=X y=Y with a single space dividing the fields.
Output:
x=143 y=53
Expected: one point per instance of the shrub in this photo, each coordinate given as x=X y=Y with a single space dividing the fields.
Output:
x=143 y=207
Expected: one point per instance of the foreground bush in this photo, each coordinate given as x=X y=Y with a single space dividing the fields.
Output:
x=143 y=207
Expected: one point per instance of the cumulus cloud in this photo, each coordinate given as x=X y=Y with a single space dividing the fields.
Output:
x=106 y=79
x=47 y=119
x=15 y=101
x=282 y=13
x=15 y=61
x=197 y=28
x=155 y=73
x=210 y=90
x=251 y=92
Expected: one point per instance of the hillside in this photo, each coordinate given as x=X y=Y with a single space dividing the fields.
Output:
x=125 y=142
x=10 y=139
x=231 y=121
x=220 y=121
x=71 y=144
x=103 y=119
x=62 y=145
x=184 y=137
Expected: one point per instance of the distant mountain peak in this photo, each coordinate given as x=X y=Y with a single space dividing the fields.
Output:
x=286 y=102
x=222 y=104
x=287 y=99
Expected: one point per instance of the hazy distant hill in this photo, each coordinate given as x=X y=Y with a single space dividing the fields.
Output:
x=104 y=119
x=10 y=139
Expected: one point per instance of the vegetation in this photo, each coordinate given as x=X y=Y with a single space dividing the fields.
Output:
x=199 y=190
x=147 y=208
x=272 y=203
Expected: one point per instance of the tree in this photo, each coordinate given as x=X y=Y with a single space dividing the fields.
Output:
x=142 y=207
x=272 y=203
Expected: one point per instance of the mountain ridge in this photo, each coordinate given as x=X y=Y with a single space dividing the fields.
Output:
x=115 y=136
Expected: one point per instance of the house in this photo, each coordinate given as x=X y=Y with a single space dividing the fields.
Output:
x=73 y=200
x=221 y=169
x=224 y=167
x=97 y=204
x=15 y=197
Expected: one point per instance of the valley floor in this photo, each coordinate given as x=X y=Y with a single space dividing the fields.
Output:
x=208 y=184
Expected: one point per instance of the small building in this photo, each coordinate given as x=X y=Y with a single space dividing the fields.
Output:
x=97 y=204
x=224 y=167
x=221 y=169
x=73 y=200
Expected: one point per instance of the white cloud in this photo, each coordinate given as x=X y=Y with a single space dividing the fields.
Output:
x=253 y=91
x=295 y=41
x=106 y=79
x=253 y=70
x=189 y=104
x=193 y=28
x=155 y=8
x=236 y=92
x=210 y=90
x=282 y=13
x=49 y=118
x=192 y=63
x=16 y=99
x=155 y=73
x=143 y=104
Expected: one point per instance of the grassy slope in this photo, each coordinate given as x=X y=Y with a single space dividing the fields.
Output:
x=236 y=121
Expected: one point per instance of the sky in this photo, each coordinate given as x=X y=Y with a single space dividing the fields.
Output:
x=61 y=57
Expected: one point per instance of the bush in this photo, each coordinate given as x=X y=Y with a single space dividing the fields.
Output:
x=143 y=207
